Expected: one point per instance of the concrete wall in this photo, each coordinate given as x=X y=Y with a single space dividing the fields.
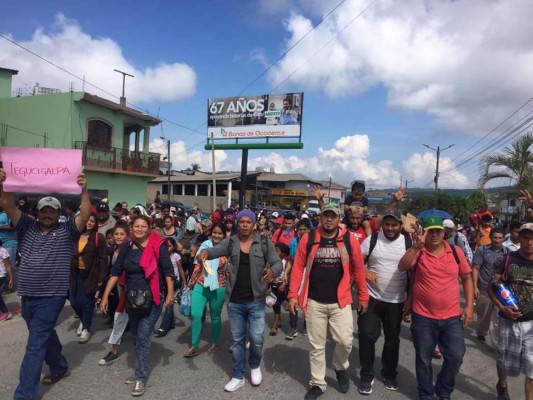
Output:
x=120 y=187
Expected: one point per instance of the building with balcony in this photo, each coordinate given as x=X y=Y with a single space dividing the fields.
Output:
x=114 y=138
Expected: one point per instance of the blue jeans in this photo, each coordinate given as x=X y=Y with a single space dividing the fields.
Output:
x=40 y=314
x=448 y=334
x=83 y=304
x=168 y=320
x=246 y=320
x=142 y=328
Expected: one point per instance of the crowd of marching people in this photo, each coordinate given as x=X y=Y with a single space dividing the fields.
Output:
x=342 y=269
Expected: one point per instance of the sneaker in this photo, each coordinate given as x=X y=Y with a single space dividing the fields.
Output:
x=108 y=359
x=234 y=384
x=365 y=387
x=481 y=338
x=314 y=393
x=305 y=334
x=344 y=382
x=391 y=384
x=256 y=376
x=503 y=394
x=85 y=336
x=80 y=329
x=293 y=333
x=138 y=389
x=160 y=333
x=131 y=380
x=5 y=316
x=247 y=345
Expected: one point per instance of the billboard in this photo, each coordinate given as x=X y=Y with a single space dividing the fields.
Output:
x=255 y=117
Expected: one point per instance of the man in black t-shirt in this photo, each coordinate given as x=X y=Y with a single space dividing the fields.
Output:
x=515 y=347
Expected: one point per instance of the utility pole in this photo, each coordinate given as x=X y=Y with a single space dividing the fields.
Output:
x=329 y=189
x=214 y=188
x=123 y=98
x=168 y=166
x=407 y=181
x=437 y=150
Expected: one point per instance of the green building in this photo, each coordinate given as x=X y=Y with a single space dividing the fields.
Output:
x=114 y=138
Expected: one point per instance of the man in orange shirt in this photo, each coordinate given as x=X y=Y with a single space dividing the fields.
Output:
x=324 y=295
x=483 y=230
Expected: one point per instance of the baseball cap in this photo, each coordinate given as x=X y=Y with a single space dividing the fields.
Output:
x=331 y=207
x=432 y=223
x=49 y=202
x=102 y=207
x=275 y=214
x=394 y=213
x=206 y=222
x=448 y=224
x=528 y=226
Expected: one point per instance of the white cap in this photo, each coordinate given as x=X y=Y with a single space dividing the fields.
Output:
x=305 y=216
x=49 y=202
x=275 y=214
x=448 y=224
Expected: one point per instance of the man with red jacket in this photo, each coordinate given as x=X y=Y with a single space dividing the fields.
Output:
x=285 y=233
x=324 y=294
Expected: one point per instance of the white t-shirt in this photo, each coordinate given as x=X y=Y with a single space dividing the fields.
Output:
x=175 y=258
x=3 y=255
x=391 y=285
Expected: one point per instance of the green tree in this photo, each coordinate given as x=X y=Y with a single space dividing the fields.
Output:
x=514 y=163
x=195 y=167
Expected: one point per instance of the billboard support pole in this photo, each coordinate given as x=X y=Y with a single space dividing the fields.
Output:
x=244 y=173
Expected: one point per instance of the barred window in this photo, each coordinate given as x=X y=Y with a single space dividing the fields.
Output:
x=99 y=134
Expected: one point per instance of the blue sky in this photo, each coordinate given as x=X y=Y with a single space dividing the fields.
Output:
x=377 y=87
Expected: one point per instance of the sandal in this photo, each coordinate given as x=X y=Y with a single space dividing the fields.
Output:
x=273 y=332
x=51 y=379
x=212 y=349
x=191 y=353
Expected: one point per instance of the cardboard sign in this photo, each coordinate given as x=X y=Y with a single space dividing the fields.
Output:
x=35 y=170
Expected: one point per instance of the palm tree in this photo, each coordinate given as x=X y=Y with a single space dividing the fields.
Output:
x=195 y=167
x=514 y=163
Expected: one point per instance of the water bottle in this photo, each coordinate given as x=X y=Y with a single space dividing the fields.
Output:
x=505 y=295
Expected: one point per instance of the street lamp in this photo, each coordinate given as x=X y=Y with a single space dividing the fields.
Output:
x=168 y=165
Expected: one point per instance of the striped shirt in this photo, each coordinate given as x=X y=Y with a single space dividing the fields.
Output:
x=45 y=259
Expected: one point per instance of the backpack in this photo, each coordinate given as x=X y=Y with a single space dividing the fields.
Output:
x=264 y=247
x=454 y=251
x=374 y=241
x=311 y=242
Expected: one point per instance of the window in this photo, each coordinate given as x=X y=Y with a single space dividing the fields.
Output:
x=164 y=188
x=177 y=189
x=189 y=190
x=99 y=134
x=202 y=189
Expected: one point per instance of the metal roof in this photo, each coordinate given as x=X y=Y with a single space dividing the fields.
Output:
x=116 y=106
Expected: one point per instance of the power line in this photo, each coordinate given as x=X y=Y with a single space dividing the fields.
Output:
x=292 y=47
x=91 y=84
x=325 y=45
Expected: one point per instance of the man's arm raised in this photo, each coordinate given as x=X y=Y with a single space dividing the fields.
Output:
x=8 y=201
x=85 y=205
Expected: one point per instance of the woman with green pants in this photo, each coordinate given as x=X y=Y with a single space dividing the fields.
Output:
x=209 y=286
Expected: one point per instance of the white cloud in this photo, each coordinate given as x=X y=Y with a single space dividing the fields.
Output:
x=452 y=59
x=66 y=45
x=348 y=159
x=182 y=157
x=421 y=168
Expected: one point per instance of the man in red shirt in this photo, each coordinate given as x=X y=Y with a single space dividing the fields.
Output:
x=324 y=295
x=437 y=317
x=285 y=233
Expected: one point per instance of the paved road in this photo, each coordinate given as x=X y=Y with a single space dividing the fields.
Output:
x=285 y=367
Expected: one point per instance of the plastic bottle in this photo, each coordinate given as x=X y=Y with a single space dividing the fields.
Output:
x=505 y=295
